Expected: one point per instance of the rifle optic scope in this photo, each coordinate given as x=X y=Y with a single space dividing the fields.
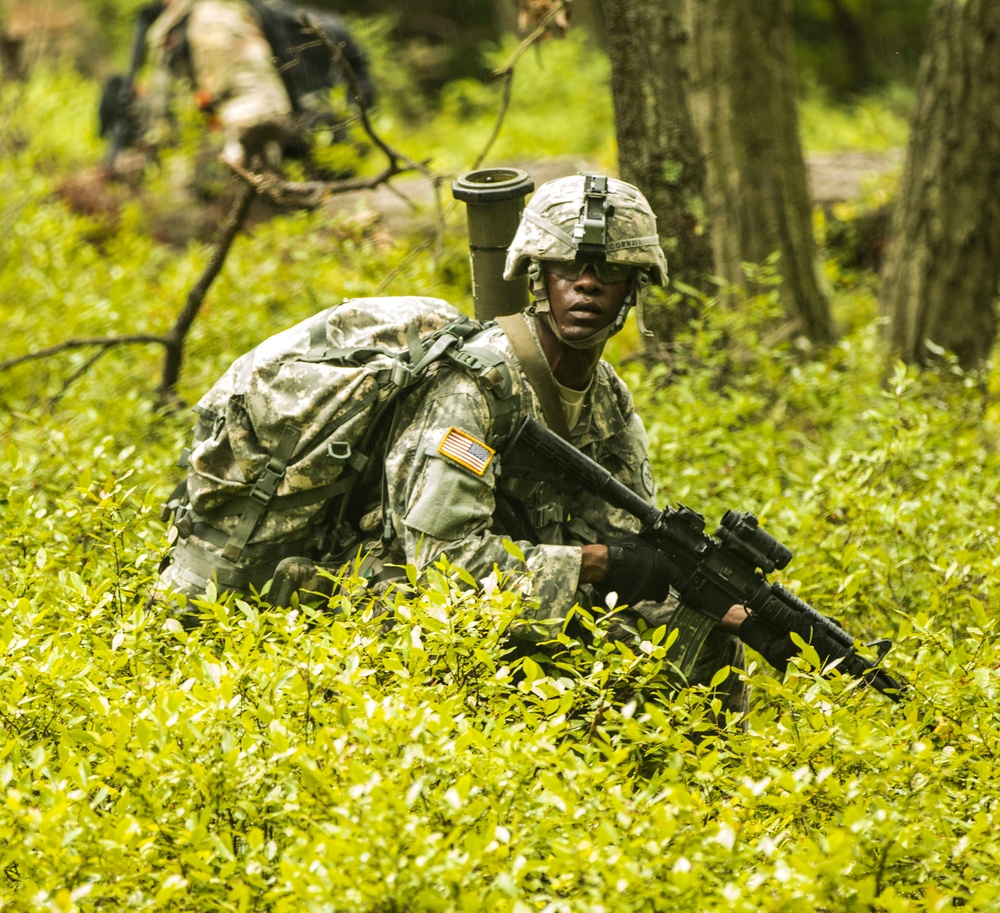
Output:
x=741 y=531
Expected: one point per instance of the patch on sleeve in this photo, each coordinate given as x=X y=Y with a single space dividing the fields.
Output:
x=465 y=450
x=647 y=477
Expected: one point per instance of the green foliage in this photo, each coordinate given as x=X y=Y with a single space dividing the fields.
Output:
x=390 y=754
x=560 y=106
x=51 y=121
x=875 y=122
x=391 y=757
x=116 y=19
x=852 y=46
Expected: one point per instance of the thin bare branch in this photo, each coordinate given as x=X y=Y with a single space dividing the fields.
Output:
x=508 y=88
x=413 y=205
x=173 y=340
x=534 y=37
x=337 y=52
x=411 y=255
x=442 y=210
x=196 y=297
x=77 y=374
x=311 y=194
x=70 y=344
x=506 y=72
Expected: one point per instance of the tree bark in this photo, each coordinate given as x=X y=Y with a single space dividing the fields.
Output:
x=746 y=111
x=657 y=145
x=941 y=275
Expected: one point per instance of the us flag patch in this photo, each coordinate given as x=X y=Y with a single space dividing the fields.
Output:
x=465 y=450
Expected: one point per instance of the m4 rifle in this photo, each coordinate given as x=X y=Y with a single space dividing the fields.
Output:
x=711 y=573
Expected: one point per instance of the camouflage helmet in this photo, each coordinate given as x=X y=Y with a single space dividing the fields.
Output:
x=586 y=216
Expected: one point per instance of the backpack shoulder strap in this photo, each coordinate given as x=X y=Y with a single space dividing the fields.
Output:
x=492 y=370
x=536 y=369
x=263 y=492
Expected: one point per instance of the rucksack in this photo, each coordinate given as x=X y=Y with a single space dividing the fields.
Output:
x=302 y=60
x=286 y=433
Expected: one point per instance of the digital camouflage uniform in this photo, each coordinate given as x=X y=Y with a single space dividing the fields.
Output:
x=439 y=506
x=231 y=67
x=444 y=481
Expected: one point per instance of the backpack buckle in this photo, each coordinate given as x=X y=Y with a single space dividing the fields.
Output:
x=440 y=345
x=267 y=483
x=401 y=375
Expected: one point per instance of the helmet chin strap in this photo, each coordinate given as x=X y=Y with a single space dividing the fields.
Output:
x=638 y=294
x=541 y=307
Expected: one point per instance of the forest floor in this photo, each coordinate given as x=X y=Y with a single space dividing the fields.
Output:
x=406 y=205
x=833 y=177
x=838 y=176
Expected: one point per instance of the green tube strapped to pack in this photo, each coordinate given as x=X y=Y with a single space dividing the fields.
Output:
x=494 y=199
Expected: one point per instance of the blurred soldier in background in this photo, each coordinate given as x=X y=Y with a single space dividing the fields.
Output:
x=218 y=45
x=255 y=69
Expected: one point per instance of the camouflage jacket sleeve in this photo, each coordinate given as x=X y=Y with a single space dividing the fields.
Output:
x=160 y=82
x=442 y=497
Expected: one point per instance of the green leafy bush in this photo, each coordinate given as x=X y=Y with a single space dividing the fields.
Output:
x=871 y=123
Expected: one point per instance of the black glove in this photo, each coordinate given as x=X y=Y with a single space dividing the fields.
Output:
x=636 y=571
x=777 y=647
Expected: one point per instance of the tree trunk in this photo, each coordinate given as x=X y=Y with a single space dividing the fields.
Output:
x=657 y=144
x=941 y=275
x=853 y=37
x=746 y=111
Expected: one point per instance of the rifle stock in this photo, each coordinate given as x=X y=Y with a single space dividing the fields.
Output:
x=711 y=573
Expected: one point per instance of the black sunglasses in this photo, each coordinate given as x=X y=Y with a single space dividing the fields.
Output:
x=571 y=270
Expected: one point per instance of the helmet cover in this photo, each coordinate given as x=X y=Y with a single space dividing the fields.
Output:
x=586 y=216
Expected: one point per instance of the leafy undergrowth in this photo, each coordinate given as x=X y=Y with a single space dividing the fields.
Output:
x=872 y=123
x=392 y=758
x=391 y=755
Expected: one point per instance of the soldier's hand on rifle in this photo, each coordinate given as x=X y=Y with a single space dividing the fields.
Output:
x=635 y=571
x=777 y=647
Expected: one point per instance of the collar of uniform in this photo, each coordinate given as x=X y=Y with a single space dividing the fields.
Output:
x=602 y=415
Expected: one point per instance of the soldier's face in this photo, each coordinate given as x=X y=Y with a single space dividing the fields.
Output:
x=584 y=305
